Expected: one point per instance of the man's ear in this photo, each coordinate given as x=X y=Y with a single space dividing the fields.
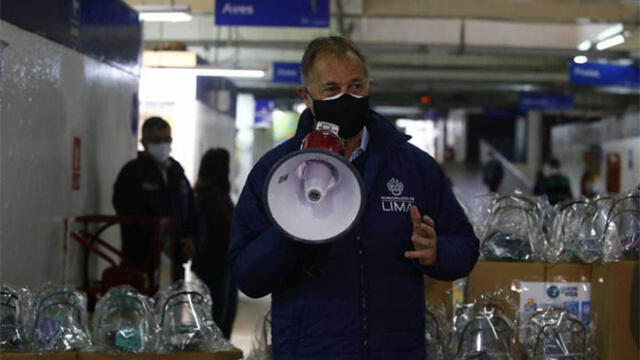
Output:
x=304 y=95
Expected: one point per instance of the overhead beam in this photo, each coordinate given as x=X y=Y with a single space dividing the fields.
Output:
x=561 y=11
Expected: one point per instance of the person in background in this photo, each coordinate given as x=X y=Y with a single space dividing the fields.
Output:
x=492 y=173
x=214 y=210
x=154 y=185
x=361 y=296
x=556 y=185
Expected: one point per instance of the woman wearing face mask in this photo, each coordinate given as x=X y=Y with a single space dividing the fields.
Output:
x=154 y=185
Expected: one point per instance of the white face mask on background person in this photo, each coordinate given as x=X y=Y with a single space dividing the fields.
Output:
x=159 y=152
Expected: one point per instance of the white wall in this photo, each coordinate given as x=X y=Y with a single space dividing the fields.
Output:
x=50 y=94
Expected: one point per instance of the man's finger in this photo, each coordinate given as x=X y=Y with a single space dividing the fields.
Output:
x=419 y=254
x=429 y=221
x=415 y=215
x=424 y=230
x=424 y=242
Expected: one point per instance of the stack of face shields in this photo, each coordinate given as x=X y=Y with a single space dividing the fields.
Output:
x=554 y=333
x=622 y=238
x=488 y=335
x=185 y=320
x=514 y=230
x=59 y=320
x=437 y=333
x=15 y=306
x=262 y=340
x=123 y=322
x=591 y=230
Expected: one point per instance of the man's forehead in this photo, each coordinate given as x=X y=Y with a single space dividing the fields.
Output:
x=330 y=67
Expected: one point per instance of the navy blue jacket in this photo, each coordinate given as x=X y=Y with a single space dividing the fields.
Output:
x=365 y=300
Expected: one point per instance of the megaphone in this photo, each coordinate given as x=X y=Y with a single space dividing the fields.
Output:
x=314 y=195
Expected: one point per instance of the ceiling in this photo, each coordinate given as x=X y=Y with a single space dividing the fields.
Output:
x=461 y=53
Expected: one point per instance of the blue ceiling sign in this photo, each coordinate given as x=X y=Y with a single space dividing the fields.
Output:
x=296 y=13
x=533 y=101
x=598 y=74
x=287 y=72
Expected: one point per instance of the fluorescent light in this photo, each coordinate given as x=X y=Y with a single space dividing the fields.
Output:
x=609 y=32
x=169 y=13
x=585 y=45
x=610 y=42
x=206 y=71
x=164 y=17
x=580 y=59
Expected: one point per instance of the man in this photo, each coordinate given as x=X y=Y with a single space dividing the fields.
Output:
x=361 y=296
x=154 y=185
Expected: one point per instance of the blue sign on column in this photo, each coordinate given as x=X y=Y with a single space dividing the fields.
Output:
x=297 y=13
x=287 y=72
x=605 y=74
x=533 y=101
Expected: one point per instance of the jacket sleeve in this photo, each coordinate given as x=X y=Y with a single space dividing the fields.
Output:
x=261 y=257
x=457 y=244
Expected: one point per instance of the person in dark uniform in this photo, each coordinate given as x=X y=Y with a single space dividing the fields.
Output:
x=154 y=185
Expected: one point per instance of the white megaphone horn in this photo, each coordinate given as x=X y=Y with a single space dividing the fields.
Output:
x=315 y=195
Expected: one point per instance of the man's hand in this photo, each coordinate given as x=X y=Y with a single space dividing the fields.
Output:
x=423 y=238
x=187 y=249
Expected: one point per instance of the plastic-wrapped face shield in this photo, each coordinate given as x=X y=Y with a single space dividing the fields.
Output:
x=563 y=243
x=623 y=229
x=514 y=232
x=186 y=323
x=123 y=322
x=60 y=322
x=591 y=230
x=555 y=334
x=12 y=317
x=435 y=328
x=487 y=336
x=262 y=340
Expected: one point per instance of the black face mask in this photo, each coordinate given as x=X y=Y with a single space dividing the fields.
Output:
x=350 y=113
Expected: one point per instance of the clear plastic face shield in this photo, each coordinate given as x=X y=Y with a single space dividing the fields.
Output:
x=123 y=322
x=13 y=312
x=186 y=322
x=60 y=321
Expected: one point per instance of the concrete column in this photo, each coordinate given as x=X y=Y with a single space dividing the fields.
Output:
x=534 y=143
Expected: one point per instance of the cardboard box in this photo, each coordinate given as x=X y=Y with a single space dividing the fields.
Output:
x=30 y=356
x=615 y=303
x=233 y=354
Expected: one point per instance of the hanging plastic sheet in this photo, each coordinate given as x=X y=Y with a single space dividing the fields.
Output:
x=15 y=305
x=123 y=322
x=59 y=320
x=185 y=320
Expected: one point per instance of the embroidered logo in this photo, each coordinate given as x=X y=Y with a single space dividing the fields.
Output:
x=396 y=203
x=395 y=186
